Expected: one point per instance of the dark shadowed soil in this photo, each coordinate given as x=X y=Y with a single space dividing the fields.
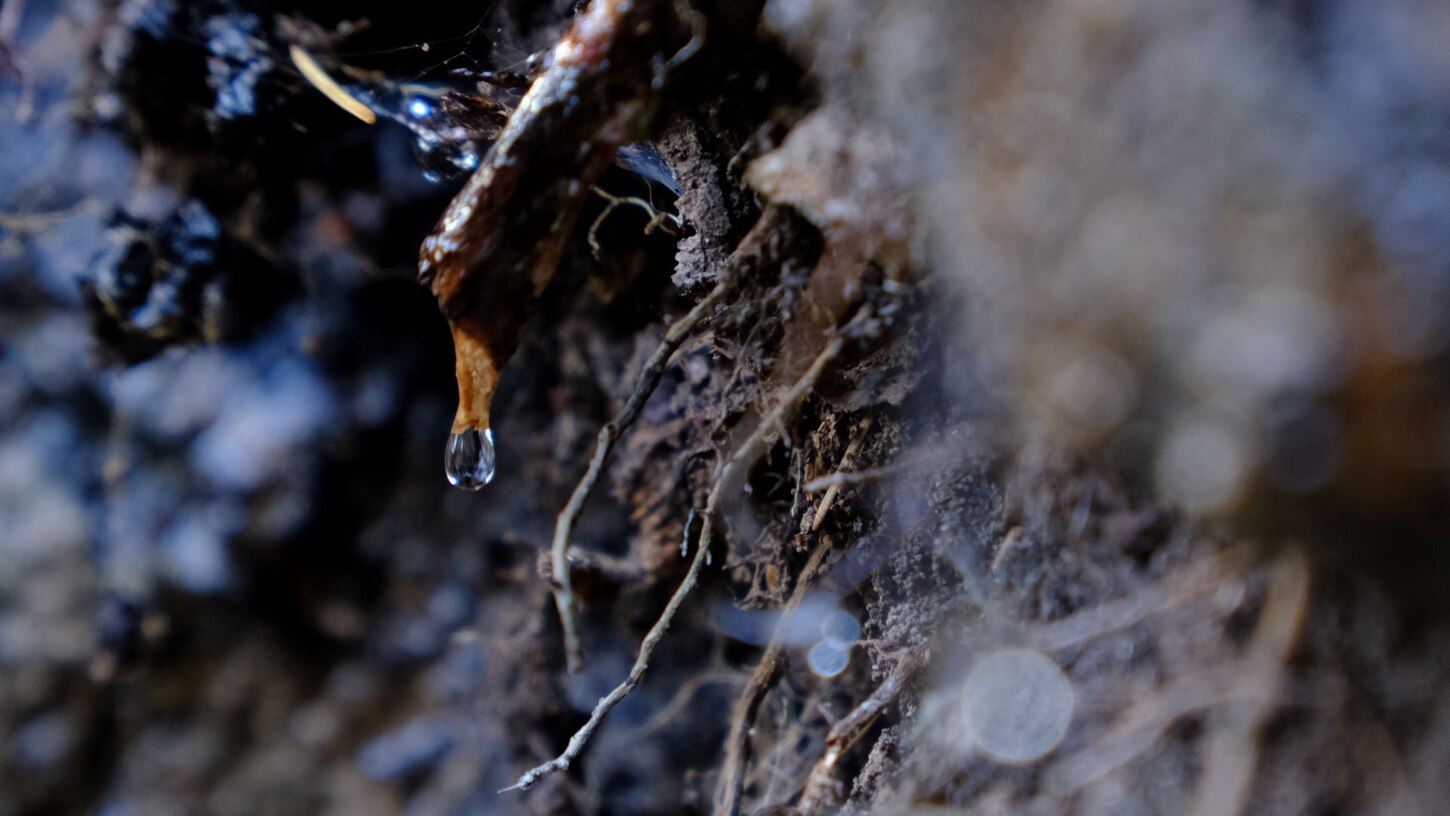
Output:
x=1071 y=434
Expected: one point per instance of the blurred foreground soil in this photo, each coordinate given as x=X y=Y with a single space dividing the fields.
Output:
x=1118 y=483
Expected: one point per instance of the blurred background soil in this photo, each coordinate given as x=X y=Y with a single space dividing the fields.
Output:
x=1137 y=435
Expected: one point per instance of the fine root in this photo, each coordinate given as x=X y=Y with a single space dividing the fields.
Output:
x=1242 y=691
x=848 y=730
x=1233 y=746
x=637 y=671
x=609 y=435
x=24 y=223
x=335 y=93
x=834 y=489
x=751 y=449
x=658 y=219
x=728 y=789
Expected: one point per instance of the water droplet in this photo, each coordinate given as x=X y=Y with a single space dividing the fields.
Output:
x=829 y=657
x=443 y=158
x=1017 y=705
x=467 y=158
x=468 y=459
x=841 y=625
x=420 y=108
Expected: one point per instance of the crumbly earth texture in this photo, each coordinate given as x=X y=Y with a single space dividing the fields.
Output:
x=1124 y=331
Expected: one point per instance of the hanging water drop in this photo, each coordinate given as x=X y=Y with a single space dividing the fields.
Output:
x=468 y=459
x=829 y=657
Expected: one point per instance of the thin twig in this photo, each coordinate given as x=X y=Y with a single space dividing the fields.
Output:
x=746 y=454
x=32 y=222
x=1242 y=682
x=1232 y=754
x=850 y=729
x=742 y=717
x=796 y=740
x=682 y=699
x=846 y=461
x=1143 y=725
x=953 y=451
x=728 y=788
x=698 y=25
x=1200 y=577
x=335 y=93
x=649 y=378
x=636 y=672
x=657 y=217
x=1374 y=751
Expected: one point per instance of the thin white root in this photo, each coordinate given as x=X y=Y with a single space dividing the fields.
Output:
x=657 y=218
x=314 y=73
x=748 y=451
x=608 y=436
x=848 y=730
